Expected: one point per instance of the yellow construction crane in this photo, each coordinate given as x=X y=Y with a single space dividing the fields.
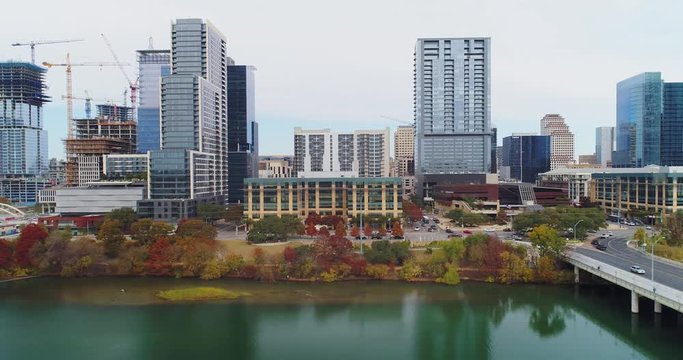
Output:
x=88 y=101
x=69 y=87
x=33 y=44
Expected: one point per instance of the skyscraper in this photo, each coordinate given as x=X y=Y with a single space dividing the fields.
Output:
x=525 y=156
x=152 y=65
x=604 y=145
x=191 y=166
x=404 y=150
x=323 y=153
x=561 y=140
x=452 y=110
x=649 y=122
x=23 y=142
x=242 y=131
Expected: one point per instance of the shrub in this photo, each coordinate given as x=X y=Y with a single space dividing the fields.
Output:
x=451 y=277
x=434 y=266
x=378 y=271
x=410 y=270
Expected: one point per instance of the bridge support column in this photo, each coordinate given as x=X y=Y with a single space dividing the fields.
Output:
x=576 y=275
x=658 y=307
x=634 y=302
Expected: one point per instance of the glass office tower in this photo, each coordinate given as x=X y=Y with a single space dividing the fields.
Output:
x=604 y=145
x=453 y=125
x=242 y=131
x=525 y=156
x=152 y=65
x=672 y=125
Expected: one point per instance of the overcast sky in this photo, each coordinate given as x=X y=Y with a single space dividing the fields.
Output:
x=344 y=64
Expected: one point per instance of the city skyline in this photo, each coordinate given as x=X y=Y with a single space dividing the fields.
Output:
x=524 y=86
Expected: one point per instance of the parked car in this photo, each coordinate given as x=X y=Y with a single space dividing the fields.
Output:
x=604 y=236
x=490 y=230
x=468 y=232
x=361 y=237
x=449 y=231
x=609 y=233
x=595 y=242
x=431 y=229
x=417 y=228
x=601 y=247
x=648 y=227
x=397 y=237
x=516 y=237
x=454 y=235
x=637 y=269
x=436 y=221
x=507 y=229
x=376 y=236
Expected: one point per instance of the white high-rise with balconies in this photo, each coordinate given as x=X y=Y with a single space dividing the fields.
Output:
x=561 y=140
x=404 y=150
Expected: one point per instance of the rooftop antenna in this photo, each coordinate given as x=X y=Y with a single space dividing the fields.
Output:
x=151 y=43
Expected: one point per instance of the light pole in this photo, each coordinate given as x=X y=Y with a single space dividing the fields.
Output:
x=577 y=223
x=654 y=239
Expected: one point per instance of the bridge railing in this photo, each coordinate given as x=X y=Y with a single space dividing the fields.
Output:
x=641 y=285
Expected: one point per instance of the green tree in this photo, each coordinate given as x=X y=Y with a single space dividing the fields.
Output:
x=547 y=240
x=453 y=249
x=274 y=229
x=451 y=276
x=147 y=231
x=514 y=268
x=210 y=212
x=410 y=270
x=456 y=215
x=386 y=252
x=234 y=213
x=641 y=235
x=125 y=216
x=111 y=234
x=474 y=219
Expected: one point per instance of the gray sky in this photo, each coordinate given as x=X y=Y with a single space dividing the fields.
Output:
x=343 y=64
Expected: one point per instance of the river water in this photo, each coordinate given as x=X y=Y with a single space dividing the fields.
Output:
x=94 y=319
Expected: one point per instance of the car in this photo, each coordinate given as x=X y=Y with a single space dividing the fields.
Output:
x=490 y=230
x=397 y=237
x=591 y=231
x=468 y=232
x=431 y=230
x=417 y=228
x=595 y=242
x=361 y=237
x=637 y=269
x=455 y=235
x=601 y=247
x=609 y=233
x=516 y=237
x=507 y=229
x=376 y=236
x=449 y=231
x=604 y=236
x=436 y=221
x=648 y=227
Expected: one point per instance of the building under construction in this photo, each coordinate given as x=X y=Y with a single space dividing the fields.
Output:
x=112 y=131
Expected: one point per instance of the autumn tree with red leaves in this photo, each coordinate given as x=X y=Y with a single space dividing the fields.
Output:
x=382 y=231
x=5 y=254
x=367 y=230
x=331 y=250
x=397 y=230
x=310 y=229
x=30 y=235
x=290 y=255
x=313 y=218
x=160 y=259
x=412 y=211
x=340 y=229
x=323 y=232
x=355 y=231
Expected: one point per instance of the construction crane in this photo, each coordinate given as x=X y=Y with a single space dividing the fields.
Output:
x=69 y=87
x=133 y=85
x=88 y=102
x=33 y=44
x=405 y=122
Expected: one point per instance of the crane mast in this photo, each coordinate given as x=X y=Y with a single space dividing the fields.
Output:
x=32 y=45
x=133 y=85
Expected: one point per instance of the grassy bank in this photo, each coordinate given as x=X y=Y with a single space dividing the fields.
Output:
x=199 y=293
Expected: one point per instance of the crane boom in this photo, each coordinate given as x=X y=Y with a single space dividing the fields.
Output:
x=133 y=85
x=33 y=44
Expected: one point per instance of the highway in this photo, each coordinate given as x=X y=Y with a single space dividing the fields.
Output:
x=619 y=255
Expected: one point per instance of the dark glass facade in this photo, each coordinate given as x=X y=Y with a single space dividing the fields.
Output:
x=672 y=125
x=152 y=65
x=242 y=131
x=526 y=156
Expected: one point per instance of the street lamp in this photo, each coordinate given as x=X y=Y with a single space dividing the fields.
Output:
x=654 y=239
x=577 y=223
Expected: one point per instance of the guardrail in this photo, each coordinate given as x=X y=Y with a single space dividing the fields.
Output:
x=662 y=294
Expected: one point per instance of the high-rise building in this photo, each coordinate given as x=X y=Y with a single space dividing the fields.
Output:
x=494 y=153
x=191 y=166
x=452 y=107
x=23 y=142
x=152 y=65
x=604 y=145
x=242 y=130
x=561 y=139
x=588 y=159
x=404 y=149
x=323 y=153
x=525 y=156
x=649 y=122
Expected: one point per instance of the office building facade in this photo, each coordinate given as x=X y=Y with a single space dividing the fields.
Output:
x=604 y=145
x=324 y=153
x=561 y=140
x=525 y=156
x=152 y=66
x=404 y=150
x=242 y=130
x=192 y=163
x=345 y=197
x=452 y=107
x=649 y=122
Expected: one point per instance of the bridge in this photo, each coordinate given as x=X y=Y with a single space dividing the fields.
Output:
x=11 y=210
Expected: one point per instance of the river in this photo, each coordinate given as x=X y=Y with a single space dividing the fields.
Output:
x=94 y=319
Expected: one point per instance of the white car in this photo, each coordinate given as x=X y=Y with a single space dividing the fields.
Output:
x=417 y=228
x=637 y=269
x=609 y=233
x=648 y=227
x=604 y=236
x=489 y=230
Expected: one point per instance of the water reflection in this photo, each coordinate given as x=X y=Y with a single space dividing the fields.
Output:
x=548 y=320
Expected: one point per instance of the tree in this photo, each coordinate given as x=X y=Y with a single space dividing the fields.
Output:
x=410 y=270
x=4 y=200
x=195 y=254
x=453 y=249
x=386 y=252
x=29 y=236
x=196 y=229
x=641 y=235
x=313 y=218
x=382 y=231
x=456 y=215
x=323 y=232
x=397 y=230
x=290 y=255
x=340 y=229
x=160 y=260
x=311 y=230
x=274 y=229
x=355 y=231
x=514 y=268
x=412 y=211
x=501 y=217
x=125 y=216
x=331 y=250
x=210 y=212
x=147 y=231
x=451 y=276
x=111 y=234
x=234 y=213
x=367 y=230
x=5 y=254
x=545 y=269
x=547 y=240
x=672 y=229
x=474 y=219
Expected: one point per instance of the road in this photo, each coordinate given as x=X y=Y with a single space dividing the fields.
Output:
x=618 y=254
